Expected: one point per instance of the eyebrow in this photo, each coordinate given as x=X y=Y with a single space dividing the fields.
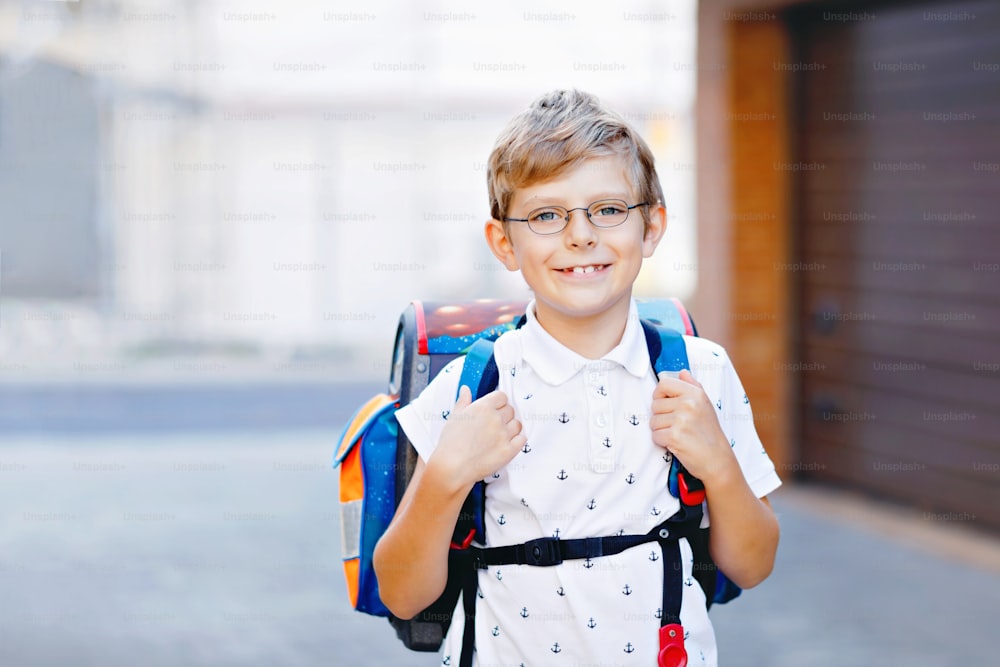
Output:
x=534 y=202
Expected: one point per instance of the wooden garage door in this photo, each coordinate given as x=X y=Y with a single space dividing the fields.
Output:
x=898 y=244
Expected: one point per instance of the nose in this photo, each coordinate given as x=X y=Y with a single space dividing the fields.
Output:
x=580 y=231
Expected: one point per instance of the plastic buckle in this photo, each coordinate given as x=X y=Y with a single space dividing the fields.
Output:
x=542 y=552
x=672 y=651
x=693 y=494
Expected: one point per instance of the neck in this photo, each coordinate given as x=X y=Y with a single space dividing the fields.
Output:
x=590 y=336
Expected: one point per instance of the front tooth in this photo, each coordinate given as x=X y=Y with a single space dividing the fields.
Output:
x=589 y=269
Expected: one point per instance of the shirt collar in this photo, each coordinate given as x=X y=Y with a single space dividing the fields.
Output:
x=555 y=363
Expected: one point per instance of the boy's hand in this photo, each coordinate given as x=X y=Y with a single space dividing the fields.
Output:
x=479 y=437
x=684 y=422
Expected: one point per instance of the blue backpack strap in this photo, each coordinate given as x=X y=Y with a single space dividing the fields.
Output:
x=481 y=376
x=479 y=372
x=668 y=354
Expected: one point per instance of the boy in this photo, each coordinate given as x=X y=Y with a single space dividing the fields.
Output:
x=573 y=442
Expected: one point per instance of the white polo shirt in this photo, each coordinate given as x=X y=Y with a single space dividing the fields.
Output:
x=589 y=469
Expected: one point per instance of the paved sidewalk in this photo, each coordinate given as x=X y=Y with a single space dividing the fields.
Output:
x=222 y=548
x=862 y=583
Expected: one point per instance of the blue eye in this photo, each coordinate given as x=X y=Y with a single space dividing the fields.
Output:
x=608 y=209
x=546 y=215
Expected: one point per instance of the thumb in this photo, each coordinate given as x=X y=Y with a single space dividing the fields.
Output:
x=686 y=376
x=464 y=398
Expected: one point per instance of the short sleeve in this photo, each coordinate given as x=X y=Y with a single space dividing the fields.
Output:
x=424 y=417
x=736 y=418
x=712 y=367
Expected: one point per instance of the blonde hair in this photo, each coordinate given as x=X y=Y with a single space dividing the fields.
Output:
x=559 y=130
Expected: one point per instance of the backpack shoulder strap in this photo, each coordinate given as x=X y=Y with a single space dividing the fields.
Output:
x=668 y=354
x=667 y=351
x=479 y=371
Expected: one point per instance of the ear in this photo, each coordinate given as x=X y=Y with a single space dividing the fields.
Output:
x=500 y=244
x=654 y=229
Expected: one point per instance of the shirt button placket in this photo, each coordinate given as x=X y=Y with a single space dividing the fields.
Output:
x=599 y=408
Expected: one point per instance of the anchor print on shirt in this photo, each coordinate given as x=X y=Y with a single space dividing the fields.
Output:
x=606 y=442
x=564 y=418
x=627 y=590
x=655 y=511
x=560 y=592
x=718 y=404
x=526 y=448
x=591 y=623
x=630 y=479
x=446 y=660
x=445 y=414
x=562 y=475
x=588 y=563
x=689 y=582
x=601 y=391
x=634 y=420
x=592 y=504
x=524 y=612
x=653 y=557
x=555 y=648
x=502 y=520
x=629 y=648
x=528 y=396
x=495 y=631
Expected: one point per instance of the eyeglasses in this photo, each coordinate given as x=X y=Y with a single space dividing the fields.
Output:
x=553 y=219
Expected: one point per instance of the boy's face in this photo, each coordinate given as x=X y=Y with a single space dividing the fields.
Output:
x=610 y=257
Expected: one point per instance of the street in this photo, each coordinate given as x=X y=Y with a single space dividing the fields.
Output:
x=221 y=547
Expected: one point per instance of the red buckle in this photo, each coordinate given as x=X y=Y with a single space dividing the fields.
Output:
x=466 y=542
x=689 y=496
x=672 y=651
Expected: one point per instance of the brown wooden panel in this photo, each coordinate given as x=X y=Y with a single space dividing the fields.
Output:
x=928 y=489
x=759 y=296
x=898 y=275
x=915 y=345
x=972 y=390
x=898 y=253
x=909 y=241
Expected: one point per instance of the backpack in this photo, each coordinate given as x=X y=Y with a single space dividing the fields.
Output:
x=376 y=462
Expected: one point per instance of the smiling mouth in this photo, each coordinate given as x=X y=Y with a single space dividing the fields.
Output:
x=590 y=268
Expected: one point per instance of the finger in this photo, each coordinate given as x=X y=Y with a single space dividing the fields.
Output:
x=513 y=428
x=663 y=406
x=661 y=421
x=686 y=376
x=669 y=386
x=506 y=413
x=464 y=398
x=496 y=399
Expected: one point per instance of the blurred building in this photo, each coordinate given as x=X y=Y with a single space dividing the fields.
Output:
x=848 y=198
x=243 y=181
